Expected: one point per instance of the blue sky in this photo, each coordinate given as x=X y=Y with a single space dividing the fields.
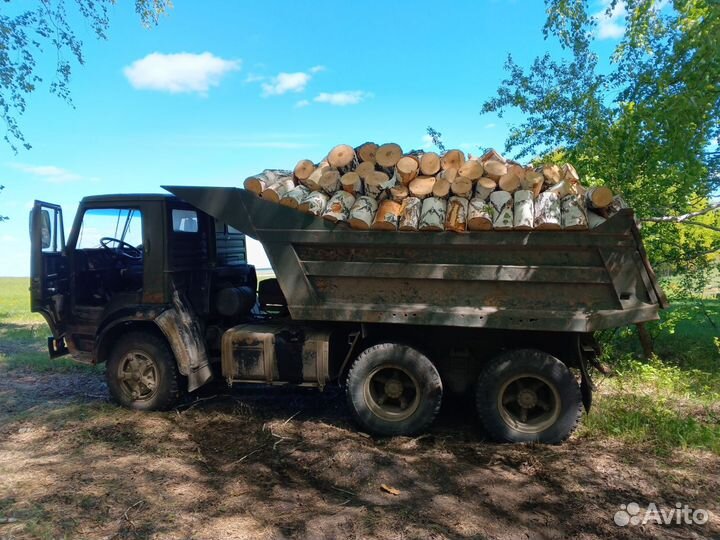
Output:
x=220 y=90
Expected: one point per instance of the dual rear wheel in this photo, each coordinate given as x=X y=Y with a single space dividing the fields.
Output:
x=521 y=396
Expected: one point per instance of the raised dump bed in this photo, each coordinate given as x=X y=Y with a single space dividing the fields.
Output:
x=576 y=281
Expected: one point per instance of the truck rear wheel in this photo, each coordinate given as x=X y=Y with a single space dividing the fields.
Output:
x=528 y=396
x=142 y=373
x=394 y=390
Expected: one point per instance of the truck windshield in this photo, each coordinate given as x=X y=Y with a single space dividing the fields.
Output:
x=119 y=223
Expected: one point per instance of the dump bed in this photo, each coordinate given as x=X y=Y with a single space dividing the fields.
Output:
x=577 y=281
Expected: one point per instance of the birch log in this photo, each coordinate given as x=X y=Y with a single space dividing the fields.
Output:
x=294 y=197
x=432 y=216
x=365 y=168
x=502 y=208
x=492 y=155
x=377 y=183
x=258 y=182
x=407 y=169
x=338 y=207
x=456 y=215
x=523 y=211
x=303 y=170
x=447 y=174
x=598 y=197
x=275 y=191
x=462 y=187
x=594 y=220
x=574 y=215
x=479 y=215
x=509 y=182
x=330 y=181
x=422 y=186
x=484 y=187
x=351 y=183
x=429 y=164
x=532 y=180
x=471 y=169
x=410 y=214
x=314 y=203
x=313 y=181
x=342 y=157
x=366 y=152
x=441 y=188
x=494 y=169
x=387 y=216
x=363 y=212
x=387 y=156
x=547 y=211
x=551 y=173
x=452 y=159
x=568 y=172
x=398 y=193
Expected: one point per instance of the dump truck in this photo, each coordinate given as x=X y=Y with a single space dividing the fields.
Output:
x=158 y=287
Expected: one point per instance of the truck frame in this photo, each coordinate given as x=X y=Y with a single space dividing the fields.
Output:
x=158 y=287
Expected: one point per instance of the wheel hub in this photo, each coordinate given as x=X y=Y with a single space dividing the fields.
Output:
x=392 y=393
x=393 y=388
x=138 y=376
x=527 y=399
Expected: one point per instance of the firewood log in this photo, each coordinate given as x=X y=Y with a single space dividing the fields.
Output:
x=366 y=152
x=338 y=207
x=594 y=219
x=447 y=174
x=509 y=182
x=351 y=183
x=551 y=173
x=484 y=187
x=598 y=197
x=495 y=169
x=518 y=170
x=492 y=155
x=343 y=158
x=479 y=215
x=295 y=196
x=330 y=181
x=502 y=207
x=617 y=204
x=574 y=215
x=429 y=164
x=547 y=211
x=275 y=191
x=258 y=182
x=410 y=214
x=452 y=159
x=363 y=212
x=377 y=184
x=563 y=188
x=432 y=216
x=365 y=168
x=398 y=193
x=387 y=216
x=387 y=156
x=523 y=210
x=407 y=169
x=441 y=188
x=462 y=187
x=533 y=181
x=456 y=215
x=303 y=170
x=471 y=169
x=313 y=181
x=314 y=203
x=568 y=172
x=422 y=186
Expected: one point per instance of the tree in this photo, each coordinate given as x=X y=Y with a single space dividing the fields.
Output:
x=27 y=32
x=648 y=127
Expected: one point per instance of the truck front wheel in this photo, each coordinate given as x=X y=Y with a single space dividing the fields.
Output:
x=394 y=390
x=142 y=373
x=528 y=396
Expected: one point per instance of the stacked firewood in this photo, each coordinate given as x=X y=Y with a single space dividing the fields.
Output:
x=380 y=187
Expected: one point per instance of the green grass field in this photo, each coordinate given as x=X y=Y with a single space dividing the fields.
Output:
x=669 y=402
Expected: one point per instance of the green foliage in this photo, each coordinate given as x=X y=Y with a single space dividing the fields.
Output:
x=38 y=24
x=436 y=138
x=648 y=127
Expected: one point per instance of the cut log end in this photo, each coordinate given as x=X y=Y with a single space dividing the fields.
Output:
x=429 y=164
x=388 y=154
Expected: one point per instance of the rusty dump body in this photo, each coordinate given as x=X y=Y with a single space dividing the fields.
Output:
x=568 y=281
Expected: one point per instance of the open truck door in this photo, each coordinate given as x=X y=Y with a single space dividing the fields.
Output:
x=49 y=271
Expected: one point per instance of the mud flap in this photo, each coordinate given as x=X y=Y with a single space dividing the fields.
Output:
x=587 y=387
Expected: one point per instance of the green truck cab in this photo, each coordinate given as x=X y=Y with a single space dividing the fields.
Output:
x=158 y=287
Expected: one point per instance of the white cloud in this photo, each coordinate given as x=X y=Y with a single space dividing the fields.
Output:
x=50 y=173
x=490 y=125
x=427 y=142
x=302 y=103
x=179 y=73
x=253 y=78
x=317 y=69
x=611 y=24
x=340 y=99
x=286 y=82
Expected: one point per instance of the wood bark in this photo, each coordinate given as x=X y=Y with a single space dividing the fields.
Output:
x=343 y=158
x=387 y=216
x=410 y=214
x=523 y=210
x=432 y=216
x=452 y=159
x=338 y=207
x=398 y=193
x=377 y=184
x=366 y=152
x=495 y=169
x=547 y=211
x=429 y=164
x=456 y=215
x=471 y=169
x=258 y=182
x=330 y=181
x=502 y=207
x=314 y=203
x=275 y=191
x=598 y=197
x=422 y=186
x=462 y=187
x=407 y=169
x=363 y=212
x=295 y=196
x=484 y=187
x=352 y=183
x=574 y=215
x=480 y=216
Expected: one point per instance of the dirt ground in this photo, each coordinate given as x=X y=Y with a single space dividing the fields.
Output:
x=256 y=463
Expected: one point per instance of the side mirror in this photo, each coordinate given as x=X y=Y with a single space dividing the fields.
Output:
x=45 y=232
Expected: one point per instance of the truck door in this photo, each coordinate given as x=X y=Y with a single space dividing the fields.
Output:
x=48 y=265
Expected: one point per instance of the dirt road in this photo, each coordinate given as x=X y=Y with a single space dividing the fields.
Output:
x=280 y=463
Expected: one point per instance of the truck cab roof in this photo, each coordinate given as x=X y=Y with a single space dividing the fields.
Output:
x=129 y=198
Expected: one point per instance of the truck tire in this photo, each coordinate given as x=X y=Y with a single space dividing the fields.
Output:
x=528 y=396
x=393 y=389
x=142 y=373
